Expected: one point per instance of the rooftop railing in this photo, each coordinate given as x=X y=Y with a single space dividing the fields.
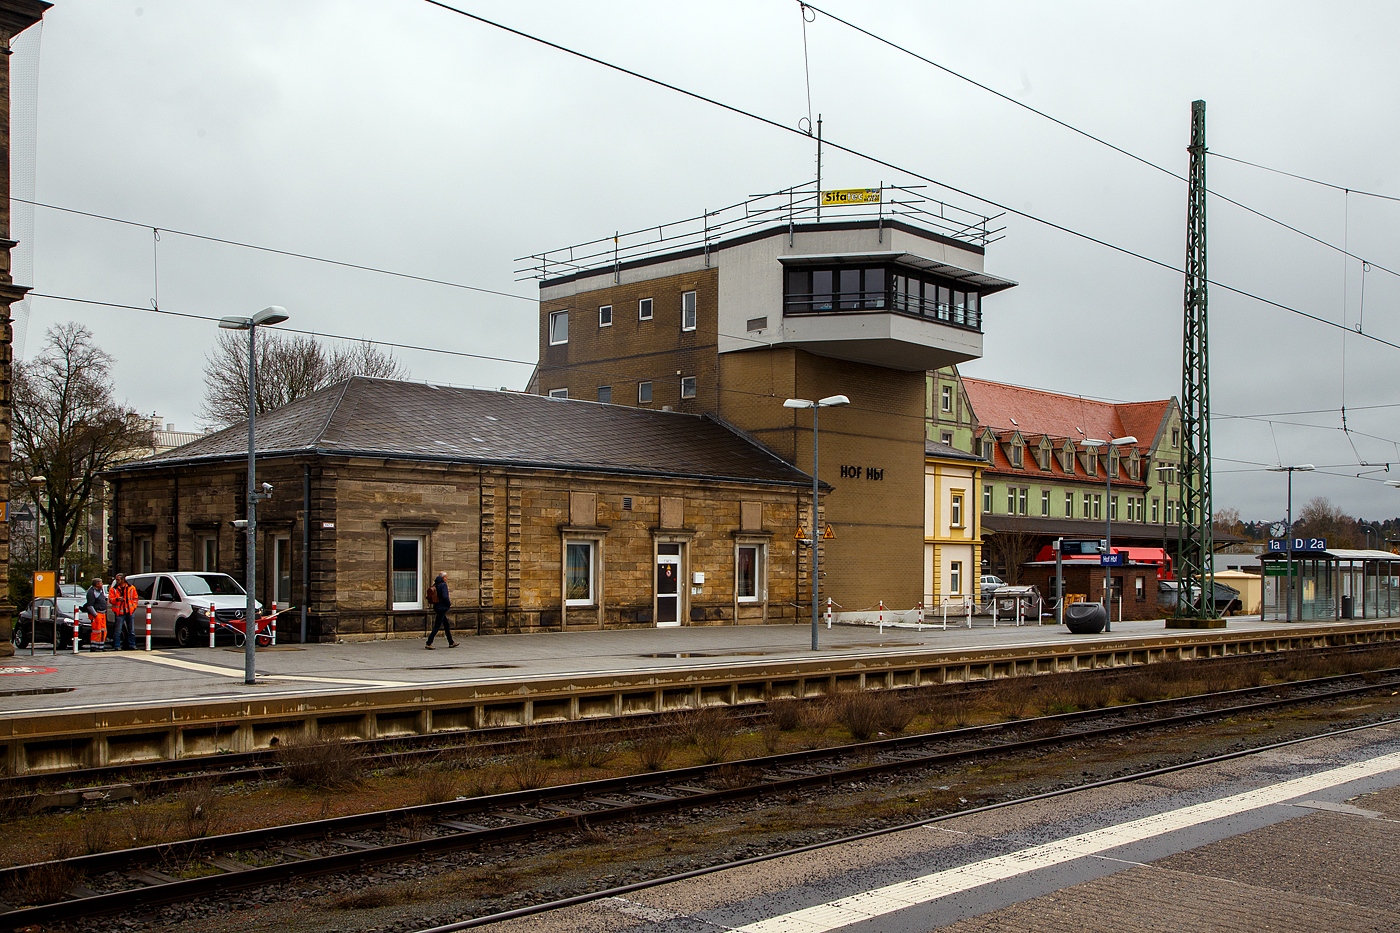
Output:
x=792 y=207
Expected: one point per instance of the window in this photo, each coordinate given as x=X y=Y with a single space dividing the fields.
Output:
x=748 y=573
x=1113 y=461
x=406 y=570
x=1140 y=589
x=143 y=547
x=1176 y=437
x=955 y=578
x=1155 y=503
x=578 y=573
x=558 y=327
x=988 y=449
x=282 y=570
x=947 y=438
x=1141 y=508
x=1113 y=508
x=605 y=394
x=1042 y=458
x=688 y=387
x=1021 y=497
x=1086 y=505
x=165 y=590
x=987 y=499
x=644 y=309
x=1171 y=512
x=946 y=399
x=1010 y=501
x=605 y=316
x=558 y=393
x=644 y=393
x=1098 y=506
x=1045 y=502
x=1017 y=455
x=1091 y=461
x=955 y=514
x=1067 y=460
x=687 y=311
x=850 y=289
x=1069 y=505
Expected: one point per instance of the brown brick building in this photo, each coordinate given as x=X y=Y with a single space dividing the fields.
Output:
x=775 y=300
x=546 y=515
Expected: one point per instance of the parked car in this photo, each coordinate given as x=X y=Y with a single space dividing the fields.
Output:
x=179 y=604
x=63 y=610
x=991 y=583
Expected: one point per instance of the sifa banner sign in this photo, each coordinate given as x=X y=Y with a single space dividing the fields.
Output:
x=838 y=196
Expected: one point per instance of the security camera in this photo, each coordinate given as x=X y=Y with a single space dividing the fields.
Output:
x=266 y=488
x=239 y=523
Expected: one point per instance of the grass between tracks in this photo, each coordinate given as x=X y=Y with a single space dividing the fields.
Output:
x=325 y=779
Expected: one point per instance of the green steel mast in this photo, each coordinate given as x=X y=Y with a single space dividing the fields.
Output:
x=1195 y=542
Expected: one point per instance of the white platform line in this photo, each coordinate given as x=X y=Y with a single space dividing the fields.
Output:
x=867 y=905
x=182 y=664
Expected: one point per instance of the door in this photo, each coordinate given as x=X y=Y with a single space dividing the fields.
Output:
x=164 y=608
x=668 y=575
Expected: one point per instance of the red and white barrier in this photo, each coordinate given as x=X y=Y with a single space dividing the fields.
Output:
x=148 y=628
x=212 y=616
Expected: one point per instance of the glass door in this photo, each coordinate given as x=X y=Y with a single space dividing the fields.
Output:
x=668 y=574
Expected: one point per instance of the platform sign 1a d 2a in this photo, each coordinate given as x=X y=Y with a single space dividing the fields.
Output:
x=1280 y=545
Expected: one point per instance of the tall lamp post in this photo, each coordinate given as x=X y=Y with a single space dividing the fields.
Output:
x=1108 y=517
x=1290 y=470
x=265 y=317
x=814 y=537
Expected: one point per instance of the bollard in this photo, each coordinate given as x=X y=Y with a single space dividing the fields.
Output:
x=274 y=622
x=969 y=612
x=920 y=610
x=945 y=613
x=828 y=612
x=211 y=625
x=77 y=633
x=148 y=628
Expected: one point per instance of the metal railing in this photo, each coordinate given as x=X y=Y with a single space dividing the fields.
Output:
x=856 y=302
x=800 y=204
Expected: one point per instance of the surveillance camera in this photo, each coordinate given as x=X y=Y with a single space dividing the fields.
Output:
x=267 y=487
x=239 y=523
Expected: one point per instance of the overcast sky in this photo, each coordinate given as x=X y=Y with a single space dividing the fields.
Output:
x=398 y=135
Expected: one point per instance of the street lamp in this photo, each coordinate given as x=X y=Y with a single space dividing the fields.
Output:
x=267 y=316
x=1290 y=470
x=1108 y=516
x=814 y=537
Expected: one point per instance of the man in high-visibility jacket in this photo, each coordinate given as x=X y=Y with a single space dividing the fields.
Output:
x=122 y=598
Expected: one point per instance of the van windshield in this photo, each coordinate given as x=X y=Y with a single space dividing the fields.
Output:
x=209 y=584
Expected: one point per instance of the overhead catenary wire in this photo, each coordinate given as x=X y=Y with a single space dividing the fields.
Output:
x=1325 y=184
x=1087 y=135
x=876 y=160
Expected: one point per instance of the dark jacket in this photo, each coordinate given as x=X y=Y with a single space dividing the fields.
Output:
x=96 y=600
x=443 y=602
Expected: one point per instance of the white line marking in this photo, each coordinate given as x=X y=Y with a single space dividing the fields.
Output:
x=870 y=904
x=195 y=666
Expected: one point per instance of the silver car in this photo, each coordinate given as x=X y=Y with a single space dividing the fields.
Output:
x=180 y=604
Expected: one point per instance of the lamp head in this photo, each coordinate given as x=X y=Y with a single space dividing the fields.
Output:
x=797 y=403
x=38 y=480
x=1120 y=441
x=270 y=315
x=834 y=400
x=235 y=323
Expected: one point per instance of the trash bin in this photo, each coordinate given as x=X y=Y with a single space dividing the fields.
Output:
x=1085 y=618
x=1346 y=607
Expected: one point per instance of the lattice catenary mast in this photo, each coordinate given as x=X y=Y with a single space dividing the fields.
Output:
x=1195 y=571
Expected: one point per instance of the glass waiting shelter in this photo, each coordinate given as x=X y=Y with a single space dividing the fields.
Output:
x=1331 y=585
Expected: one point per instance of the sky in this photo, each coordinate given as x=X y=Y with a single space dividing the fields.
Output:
x=404 y=137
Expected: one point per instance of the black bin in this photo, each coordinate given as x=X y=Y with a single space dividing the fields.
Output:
x=1085 y=618
x=1346 y=607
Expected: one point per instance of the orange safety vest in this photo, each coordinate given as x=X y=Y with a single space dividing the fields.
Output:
x=123 y=600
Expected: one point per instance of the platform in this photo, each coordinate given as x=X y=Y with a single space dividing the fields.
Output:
x=64 y=710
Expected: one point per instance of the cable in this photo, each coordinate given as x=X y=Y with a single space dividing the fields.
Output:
x=1087 y=135
x=890 y=165
x=1279 y=171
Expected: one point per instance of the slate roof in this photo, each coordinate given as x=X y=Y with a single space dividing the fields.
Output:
x=417 y=421
x=949 y=452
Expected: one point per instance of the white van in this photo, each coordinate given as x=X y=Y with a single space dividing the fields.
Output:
x=179 y=604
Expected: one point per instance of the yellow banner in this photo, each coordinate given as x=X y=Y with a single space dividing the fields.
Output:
x=839 y=196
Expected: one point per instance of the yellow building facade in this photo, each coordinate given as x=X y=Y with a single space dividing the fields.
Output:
x=952 y=523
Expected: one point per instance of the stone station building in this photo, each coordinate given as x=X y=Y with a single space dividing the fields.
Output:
x=545 y=514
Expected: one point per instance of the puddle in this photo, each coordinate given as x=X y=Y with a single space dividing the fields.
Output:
x=36 y=691
x=676 y=654
x=497 y=667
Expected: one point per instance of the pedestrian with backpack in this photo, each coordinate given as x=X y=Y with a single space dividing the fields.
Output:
x=439 y=599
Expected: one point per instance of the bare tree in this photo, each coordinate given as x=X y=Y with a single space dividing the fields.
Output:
x=68 y=429
x=1321 y=519
x=290 y=366
x=1010 y=549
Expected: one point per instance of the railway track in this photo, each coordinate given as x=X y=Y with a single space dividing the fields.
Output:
x=146 y=779
x=133 y=879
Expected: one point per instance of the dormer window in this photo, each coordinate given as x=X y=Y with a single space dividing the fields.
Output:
x=1113 y=461
x=1135 y=466
x=1091 y=461
x=1067 y=459
x=988 y=448
x=1017 y=454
